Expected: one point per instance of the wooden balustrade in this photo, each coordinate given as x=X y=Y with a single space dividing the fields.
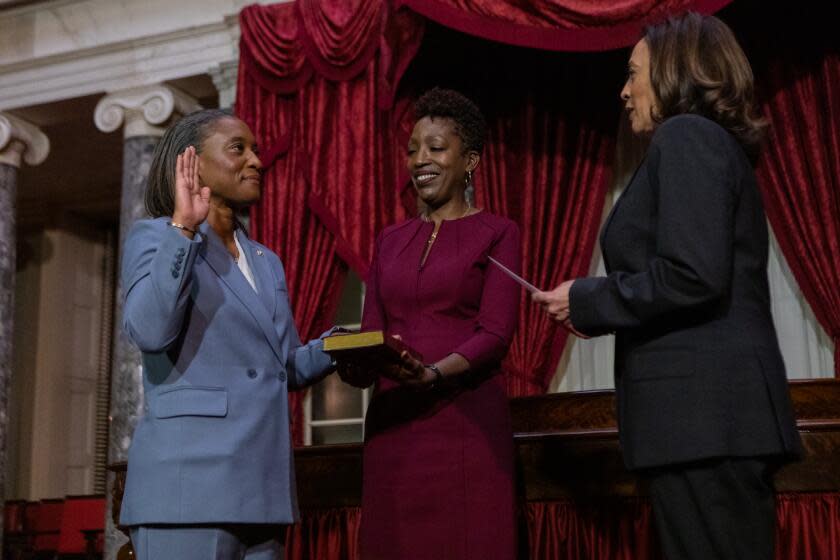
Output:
x=567 y=447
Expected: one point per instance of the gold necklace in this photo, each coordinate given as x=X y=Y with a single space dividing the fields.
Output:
x=435 y=231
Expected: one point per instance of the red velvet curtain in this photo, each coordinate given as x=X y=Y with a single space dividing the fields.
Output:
x=342 y=61
x=808 y=528
x=557 y=25
x=312 y=79
x=799 y=173
x=548 y=169
x=355 y=128
x=609 y=529
x=546 y=163
x=282 y=221
x=318 y=85
x=330 y=534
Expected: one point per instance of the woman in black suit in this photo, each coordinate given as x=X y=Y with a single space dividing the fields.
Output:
x=703 y=406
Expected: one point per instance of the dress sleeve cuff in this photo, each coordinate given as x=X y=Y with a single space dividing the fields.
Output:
x=482 y=349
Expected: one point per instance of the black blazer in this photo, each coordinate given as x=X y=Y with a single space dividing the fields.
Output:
x=698 y=369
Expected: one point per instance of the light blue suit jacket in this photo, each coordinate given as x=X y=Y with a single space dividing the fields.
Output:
x=213 y=445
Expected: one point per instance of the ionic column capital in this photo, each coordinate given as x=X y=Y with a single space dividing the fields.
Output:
x=21 y=141
x=144 y=110
x=224 y=77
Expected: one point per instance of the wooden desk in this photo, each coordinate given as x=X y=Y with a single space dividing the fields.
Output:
x=567 y=447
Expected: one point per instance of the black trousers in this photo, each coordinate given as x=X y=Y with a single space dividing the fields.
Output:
x=718 y=509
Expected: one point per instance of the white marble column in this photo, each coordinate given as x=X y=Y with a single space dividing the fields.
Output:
x=224 y=77
x=20 y=142
x=143 y=113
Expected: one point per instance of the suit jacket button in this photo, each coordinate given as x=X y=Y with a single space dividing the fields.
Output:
x=281 y=375
x=174 y=273
x=181 y=251
x=252 y=373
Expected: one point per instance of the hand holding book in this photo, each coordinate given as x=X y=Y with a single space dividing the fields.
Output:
x=410 y=370
x=364 y=355
x=355 y=374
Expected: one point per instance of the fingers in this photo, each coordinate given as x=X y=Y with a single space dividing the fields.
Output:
x=559 y=315
x=556 y=313
x=195 y=179
x=411 y=364
x=405 y=373
x=179 y=168
x=186 y=171
x=189 y=170
x=555 y=302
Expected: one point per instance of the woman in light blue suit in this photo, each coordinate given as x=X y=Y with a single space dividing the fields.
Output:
x=210 y=468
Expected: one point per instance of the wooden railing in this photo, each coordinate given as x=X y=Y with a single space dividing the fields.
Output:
x=567 y=446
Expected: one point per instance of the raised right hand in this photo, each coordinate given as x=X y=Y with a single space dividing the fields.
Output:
x=192 y=200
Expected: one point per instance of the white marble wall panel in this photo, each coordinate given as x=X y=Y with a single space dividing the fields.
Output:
x=62 y=49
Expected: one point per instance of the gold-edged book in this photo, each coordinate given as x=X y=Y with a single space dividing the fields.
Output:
x=367 y=346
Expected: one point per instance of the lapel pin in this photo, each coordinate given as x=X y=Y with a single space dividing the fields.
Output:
x=259 y=252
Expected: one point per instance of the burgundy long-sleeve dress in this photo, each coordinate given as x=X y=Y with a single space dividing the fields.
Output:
x=438 y=464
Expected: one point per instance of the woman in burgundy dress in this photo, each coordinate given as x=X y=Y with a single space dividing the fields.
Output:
x=438 y=457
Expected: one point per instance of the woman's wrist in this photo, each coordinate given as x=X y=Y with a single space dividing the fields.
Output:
x=438 y=375
x=185 y=231
x=188 y=223
x=187 y=227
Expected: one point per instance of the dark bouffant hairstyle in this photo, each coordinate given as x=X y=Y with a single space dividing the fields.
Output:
x=697 y=66
x=470 y=125
x=190 y=130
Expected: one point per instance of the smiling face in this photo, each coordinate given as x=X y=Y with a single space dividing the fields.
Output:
x=639 y=98
x=229 y=163
x=437 y=162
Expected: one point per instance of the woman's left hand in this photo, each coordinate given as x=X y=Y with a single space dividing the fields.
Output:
x=411 y=372
x=555 y=302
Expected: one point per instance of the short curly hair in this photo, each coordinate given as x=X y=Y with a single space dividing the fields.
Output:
x=470 y=125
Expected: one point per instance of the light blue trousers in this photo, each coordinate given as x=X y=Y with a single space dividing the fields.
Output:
x=190 y=542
